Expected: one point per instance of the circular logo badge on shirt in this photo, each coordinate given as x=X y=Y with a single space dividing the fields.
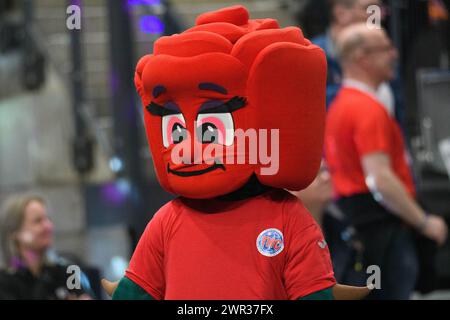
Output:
x=270 y=242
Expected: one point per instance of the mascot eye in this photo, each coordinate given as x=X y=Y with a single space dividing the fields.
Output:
x=173 y=129
x=179 y=133
x=215 y=128
x=209 y=132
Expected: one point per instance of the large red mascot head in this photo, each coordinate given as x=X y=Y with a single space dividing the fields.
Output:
x=231 y=98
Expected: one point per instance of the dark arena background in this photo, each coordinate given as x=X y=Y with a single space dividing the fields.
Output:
x=71 y=127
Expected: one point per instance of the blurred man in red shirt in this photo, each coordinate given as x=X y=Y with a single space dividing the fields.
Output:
x=366 y=155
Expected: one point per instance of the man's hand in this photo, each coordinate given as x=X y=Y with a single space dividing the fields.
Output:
x=384 y=182
x=436 y=229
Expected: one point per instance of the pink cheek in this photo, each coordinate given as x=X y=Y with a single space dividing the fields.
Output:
x=47 y=228
x=219 y=125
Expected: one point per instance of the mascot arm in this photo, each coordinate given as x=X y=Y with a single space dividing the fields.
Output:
x=128 y=290
x=339 y=292
x=326 y=294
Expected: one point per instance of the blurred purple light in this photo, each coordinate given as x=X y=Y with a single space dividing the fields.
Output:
x=144 y=2
x=114 y=80
x=115 y=193
x=151 y=24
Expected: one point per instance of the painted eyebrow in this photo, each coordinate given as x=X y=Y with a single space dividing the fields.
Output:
x=217 y=106
x=212 y=87
x=165 y=110
x=158 y=90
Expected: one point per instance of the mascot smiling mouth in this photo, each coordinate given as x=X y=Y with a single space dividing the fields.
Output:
x=196 y=172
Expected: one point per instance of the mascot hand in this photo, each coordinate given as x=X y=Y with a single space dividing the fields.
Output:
x=342 y=292
x=109 y=286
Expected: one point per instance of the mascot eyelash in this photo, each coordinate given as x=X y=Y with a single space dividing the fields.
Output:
x=230 y=106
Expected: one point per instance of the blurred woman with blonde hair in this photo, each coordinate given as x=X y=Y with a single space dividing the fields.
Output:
x=26 y=237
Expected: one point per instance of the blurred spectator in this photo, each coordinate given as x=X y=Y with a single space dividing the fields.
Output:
x=26 y=238
x=318 y=194
x=365 y=152
x=342 y=14
x=312 y=15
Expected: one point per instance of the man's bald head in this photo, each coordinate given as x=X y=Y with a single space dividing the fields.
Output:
x=366 y=51
x=355 y=39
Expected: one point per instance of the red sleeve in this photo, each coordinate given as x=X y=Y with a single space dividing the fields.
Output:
x=372 y=130
x=308 y=266
x=146 y=265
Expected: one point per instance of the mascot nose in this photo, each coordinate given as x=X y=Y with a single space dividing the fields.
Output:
x=197 y=151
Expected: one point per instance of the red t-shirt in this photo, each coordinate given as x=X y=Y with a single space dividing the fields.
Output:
x=266 y=247
x=358 y=125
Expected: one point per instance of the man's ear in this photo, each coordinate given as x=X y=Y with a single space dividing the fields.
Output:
x=359 y=55
x=138 y=82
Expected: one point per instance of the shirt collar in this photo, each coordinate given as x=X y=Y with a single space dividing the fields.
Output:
x=361 y=86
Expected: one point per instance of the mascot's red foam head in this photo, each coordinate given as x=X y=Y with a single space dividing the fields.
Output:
x=231 y=98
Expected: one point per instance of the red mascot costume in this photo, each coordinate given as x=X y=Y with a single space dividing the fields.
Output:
x=234 y=113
